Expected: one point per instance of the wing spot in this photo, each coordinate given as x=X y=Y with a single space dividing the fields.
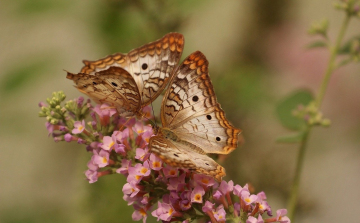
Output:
x=208 y=117
x=176 y=155
x=94 y=83
x=144 y=66
x=218 y=139
x=207 y=164
x=114 y=84
x=195 y=98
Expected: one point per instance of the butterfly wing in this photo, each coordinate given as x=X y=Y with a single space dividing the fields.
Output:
x=178 y=155
x=114 y=86
x=191 y=111
x=150 y=65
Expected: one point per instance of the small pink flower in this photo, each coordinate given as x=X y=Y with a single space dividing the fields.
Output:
x=130 y=189
x=208 y=207
x=205 y=180
x=79 y=127
x=196 y=194
x=155 y=162
x=251 y=219
x=68 y=137
x=225 y=187
x=91 y=175
x=104 y=110
x=125 y=164
x=142 y=154
x=220 y=214
x=280 y=216
x=137 y=172
x=139 y=213
x=218 y=195
x=170 y=171
x=164 y=212
x=108 y=143
x=247 y=198
x=238 y=189
x=101 y=159
x=176 y=183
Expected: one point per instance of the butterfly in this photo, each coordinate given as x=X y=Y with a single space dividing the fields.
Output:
x=131 y=81
x=193 y=123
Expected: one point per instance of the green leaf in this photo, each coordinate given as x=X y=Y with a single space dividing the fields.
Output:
x=290 y=103
x=317 y=44
x=346 y=47
x=293 y=138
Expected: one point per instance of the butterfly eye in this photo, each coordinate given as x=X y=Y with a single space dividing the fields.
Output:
x=195 y=98
x=218 y=139
x=176 y=155
x=208 y=117
x=114 y=84
x=94 y=83
x=144 y=66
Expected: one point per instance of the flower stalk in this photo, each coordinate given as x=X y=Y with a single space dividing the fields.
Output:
x=332 y=65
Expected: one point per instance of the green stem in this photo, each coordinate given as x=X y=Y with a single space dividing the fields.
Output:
x=332 y=65
x=295 y=186
x=300 y=160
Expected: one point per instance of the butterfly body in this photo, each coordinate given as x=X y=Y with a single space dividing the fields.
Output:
x=193 y=123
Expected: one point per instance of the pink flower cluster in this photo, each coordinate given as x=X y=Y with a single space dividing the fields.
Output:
x=154 y=188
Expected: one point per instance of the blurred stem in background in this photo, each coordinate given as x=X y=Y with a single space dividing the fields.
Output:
x=315 y=105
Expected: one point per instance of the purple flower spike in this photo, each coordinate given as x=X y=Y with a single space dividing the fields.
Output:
x=79 y=127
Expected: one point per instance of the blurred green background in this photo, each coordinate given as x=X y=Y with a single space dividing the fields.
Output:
x=257 y=57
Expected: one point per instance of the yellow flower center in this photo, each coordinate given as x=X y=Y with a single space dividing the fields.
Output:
x=171 y=211
x=261 y=206
x=172 y=172
x=111 y=144
x=104 y=160
x=80 y=127
x=247 y=200
x=142 y=212
x=198 y=197
x=205 y=181
x=156 y=164
x=143 y=170
x=137 y=177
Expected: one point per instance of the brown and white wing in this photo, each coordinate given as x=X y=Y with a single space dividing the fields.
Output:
x=114 y=86
x=178 y=155
x=191 y=111
x=150 y=65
